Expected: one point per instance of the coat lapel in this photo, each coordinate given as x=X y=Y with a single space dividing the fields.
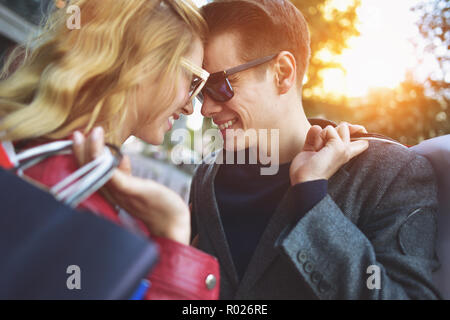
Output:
x=267 y=249
x=216 y=232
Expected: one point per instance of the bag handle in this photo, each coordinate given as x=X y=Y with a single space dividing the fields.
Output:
x=82 y=183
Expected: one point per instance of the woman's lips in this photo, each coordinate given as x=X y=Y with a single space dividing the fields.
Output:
x=170 y=122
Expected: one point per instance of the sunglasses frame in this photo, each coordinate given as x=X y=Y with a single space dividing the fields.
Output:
x=200 y=73
x=229 y=72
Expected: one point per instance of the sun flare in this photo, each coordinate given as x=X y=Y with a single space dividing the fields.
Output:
x=381 y=56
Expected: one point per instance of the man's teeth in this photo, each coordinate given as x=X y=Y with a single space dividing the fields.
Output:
x=171 y=120
x=226 y=125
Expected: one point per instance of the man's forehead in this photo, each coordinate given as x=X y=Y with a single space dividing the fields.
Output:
x=222 y=52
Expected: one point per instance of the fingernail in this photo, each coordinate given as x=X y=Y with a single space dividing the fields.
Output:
x=77 y=138
x=97 y=133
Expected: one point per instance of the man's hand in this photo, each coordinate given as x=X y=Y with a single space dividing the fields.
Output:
x=162 y=210
x=325 y=151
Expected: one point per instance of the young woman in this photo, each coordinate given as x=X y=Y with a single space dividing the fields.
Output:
x=132 y=68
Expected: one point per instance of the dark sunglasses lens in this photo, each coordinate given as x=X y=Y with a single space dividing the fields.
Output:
x=220 y=91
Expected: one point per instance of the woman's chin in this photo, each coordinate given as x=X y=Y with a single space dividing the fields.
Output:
x=155 y=139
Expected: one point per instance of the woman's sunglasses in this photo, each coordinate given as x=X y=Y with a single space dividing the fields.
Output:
x=199 y=79
x=218 y=86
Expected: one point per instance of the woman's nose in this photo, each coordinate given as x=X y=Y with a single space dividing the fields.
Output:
x=188 y=108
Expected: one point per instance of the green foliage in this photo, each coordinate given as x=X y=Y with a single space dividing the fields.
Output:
x=434 y=26
x=408 y=113
x=405 y=114
x=330 y=29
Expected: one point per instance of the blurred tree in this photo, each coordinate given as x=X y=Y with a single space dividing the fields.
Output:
x=330 y=28
x=408 y=113
x=405 y=113
x=434 y=26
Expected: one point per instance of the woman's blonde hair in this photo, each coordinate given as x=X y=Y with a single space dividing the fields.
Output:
x=71 y=79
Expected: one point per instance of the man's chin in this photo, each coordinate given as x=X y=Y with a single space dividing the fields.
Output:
x=235 y=144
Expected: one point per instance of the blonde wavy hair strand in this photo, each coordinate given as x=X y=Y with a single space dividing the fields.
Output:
x=71 y=79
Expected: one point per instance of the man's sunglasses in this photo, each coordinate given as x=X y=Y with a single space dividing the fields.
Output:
x=218 y=86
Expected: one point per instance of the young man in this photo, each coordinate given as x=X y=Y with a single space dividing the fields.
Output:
x=341 y=219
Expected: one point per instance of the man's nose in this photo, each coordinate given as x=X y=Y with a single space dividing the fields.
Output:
x=210 y=107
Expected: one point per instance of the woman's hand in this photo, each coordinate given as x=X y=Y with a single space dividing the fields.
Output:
x=162 y=210
x=325 y=152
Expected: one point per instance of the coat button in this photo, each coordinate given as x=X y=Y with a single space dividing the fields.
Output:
x=324 y=286
x=210 y=281
x=316 y=277
x=302 y=257
x=309 y=267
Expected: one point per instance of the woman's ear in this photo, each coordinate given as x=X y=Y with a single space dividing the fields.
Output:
x=285 y=72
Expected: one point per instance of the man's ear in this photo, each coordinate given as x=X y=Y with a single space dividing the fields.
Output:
x=285 y=71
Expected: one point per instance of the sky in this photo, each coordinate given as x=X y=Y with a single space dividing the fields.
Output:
x=379 y=57
x=382 y=54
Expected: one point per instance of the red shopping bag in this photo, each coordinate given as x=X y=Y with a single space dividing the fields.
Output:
x=7 y=155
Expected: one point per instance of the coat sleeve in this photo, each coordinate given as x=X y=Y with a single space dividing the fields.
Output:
x=183 y=273
x=390 y=256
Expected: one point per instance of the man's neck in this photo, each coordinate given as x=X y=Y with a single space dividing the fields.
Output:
x=292 y=137
x=290 y=142
x=292 y=134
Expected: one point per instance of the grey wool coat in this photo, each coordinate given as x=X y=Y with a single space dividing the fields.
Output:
x=371 y=237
